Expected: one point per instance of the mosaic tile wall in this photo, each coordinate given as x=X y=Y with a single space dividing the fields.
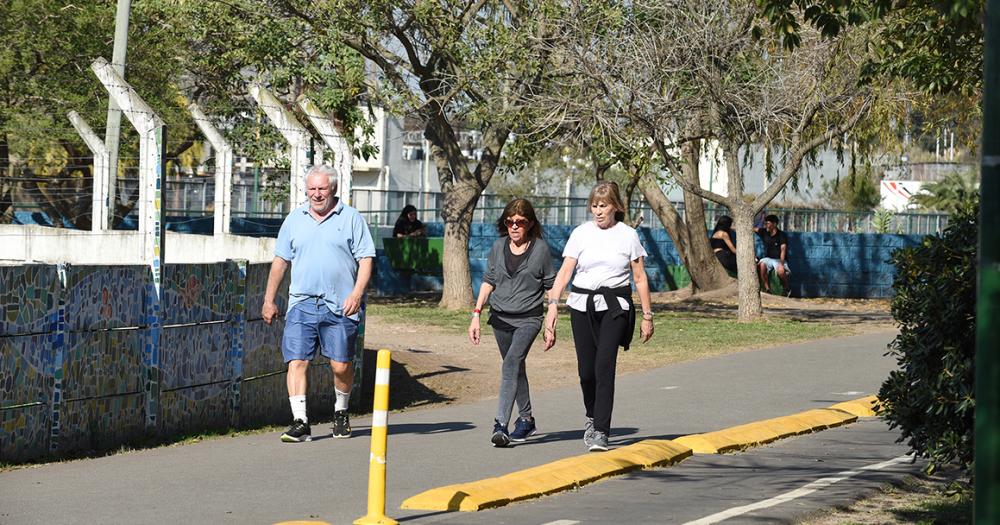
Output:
x=196 y=368
x=263 y=395
x=88 y=362
x=28 y=296
x=104 y=370
x=28 y=312
x=104 y=396
x=105 y=297
x=195 y=376
x=198 y=293
x=25 y=396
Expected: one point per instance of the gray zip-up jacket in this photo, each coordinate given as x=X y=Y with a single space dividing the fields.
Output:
x=525 y=289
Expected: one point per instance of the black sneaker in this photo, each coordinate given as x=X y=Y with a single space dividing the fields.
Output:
x=297 y=433
x=500 y=438
x=341 y=424
x=523 y=429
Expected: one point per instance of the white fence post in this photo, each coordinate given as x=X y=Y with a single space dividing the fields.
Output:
x=293 y=132
x=334 y=139
x=152 y=150
x=223 y=169
x=152 y=153
x=102 y=173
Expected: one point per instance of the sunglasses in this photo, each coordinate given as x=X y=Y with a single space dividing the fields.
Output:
x=520 y=223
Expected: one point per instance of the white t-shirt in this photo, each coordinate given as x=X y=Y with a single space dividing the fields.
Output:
x=603 y=259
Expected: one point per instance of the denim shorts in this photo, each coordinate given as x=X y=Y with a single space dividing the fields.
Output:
x=310 y=324
x=772 y=264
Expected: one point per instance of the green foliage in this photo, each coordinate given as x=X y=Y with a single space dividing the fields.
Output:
x=882 y=220
x=936 y=45
x=856 y=192
x=45 y=66
x=931 y=398
x=231 y=44
x=955 y=191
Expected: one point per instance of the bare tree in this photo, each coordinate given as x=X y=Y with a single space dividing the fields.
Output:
x=689 y=75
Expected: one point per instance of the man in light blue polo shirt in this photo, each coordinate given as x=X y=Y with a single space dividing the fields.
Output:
x=331 y=251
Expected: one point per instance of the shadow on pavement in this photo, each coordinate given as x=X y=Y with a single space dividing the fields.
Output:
x=574 y=435
x=407 y=391
x=417 y=428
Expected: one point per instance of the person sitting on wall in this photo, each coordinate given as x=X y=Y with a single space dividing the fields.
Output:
x=775 y=253
x=722 y=243
x=407 y=225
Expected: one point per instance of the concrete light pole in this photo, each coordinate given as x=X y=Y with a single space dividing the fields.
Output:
x=112 y=133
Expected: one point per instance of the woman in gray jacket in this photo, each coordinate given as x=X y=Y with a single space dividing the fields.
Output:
x=518 y=272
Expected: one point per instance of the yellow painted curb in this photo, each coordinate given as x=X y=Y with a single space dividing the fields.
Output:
x=758 y=433
x=577 y=471
x=553 y=477
x=864 y=407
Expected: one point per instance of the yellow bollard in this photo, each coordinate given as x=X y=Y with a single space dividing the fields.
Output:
x=376 y=468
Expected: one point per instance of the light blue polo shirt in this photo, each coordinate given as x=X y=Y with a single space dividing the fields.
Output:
x=324 y=255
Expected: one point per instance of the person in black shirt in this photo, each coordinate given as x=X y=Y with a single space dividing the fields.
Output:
x=775 y=253
x=722 y=243
x=407 y=224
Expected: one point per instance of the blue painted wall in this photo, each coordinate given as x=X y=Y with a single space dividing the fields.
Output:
x=842 y=265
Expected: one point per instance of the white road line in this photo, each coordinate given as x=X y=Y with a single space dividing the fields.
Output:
x=807 y=489
x=851 y=393
x=561 y=522
x=662 y=388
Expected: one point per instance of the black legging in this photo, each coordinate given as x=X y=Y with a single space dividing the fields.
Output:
x=596 y=362
x=727 y=258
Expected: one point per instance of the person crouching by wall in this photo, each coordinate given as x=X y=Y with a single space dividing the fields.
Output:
x=604 y=252
x=518 y=272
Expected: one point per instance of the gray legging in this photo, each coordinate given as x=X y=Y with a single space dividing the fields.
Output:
x=514 y=345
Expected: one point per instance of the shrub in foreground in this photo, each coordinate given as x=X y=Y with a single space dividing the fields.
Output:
x=931 y=397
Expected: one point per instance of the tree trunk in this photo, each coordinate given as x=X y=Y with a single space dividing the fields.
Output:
x=459 y=203
x=746 y=265
x=690 y=238
x=461 y=188
x=705 y=269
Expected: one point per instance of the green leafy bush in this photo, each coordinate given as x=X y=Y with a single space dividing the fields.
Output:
x=931 y=397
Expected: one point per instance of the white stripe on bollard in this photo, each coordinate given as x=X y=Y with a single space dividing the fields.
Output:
x=382 y=376
x=380 y=418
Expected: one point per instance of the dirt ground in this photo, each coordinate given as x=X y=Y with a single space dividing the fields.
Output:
x=433 y=366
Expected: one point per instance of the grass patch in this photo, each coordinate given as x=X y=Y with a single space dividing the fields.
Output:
x=690 y=336
x=939 y=507
x=677 y=335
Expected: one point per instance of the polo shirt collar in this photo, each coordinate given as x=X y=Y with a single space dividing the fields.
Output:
x=339 y=207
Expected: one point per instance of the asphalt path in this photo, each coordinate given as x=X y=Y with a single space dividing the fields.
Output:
x=783 y=482
x=258 y=479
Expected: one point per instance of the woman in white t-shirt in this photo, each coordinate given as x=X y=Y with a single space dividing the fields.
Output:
x=605 y=253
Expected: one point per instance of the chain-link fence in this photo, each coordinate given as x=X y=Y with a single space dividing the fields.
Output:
x=261 y=194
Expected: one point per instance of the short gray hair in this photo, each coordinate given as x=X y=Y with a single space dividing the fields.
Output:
x=322 y=169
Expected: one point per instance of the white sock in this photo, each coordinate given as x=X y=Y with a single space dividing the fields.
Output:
x=298 y=407
x=343 y=399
